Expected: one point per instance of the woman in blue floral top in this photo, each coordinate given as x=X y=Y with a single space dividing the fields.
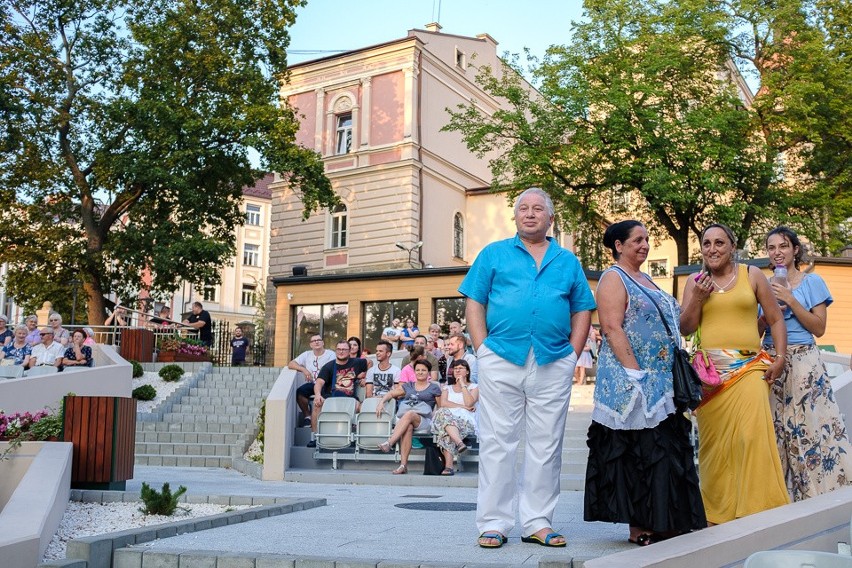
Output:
x=18 y=350
x=77 y=354
x=640 y=469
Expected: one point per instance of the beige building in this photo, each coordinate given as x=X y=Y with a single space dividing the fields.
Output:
x=243 y=277
x=415 y=204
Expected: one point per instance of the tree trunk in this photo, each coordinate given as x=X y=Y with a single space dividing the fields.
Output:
x=96 y=303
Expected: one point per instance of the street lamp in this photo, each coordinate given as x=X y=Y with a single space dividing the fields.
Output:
x=413 y=248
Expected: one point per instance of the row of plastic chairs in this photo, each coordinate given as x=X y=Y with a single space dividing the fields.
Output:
x=17 y=371
x=335 y=421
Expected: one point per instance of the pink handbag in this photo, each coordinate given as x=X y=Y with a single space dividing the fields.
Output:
x=703 y=365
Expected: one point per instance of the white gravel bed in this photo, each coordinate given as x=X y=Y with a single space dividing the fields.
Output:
x=255 y=452
x=164 y=389
x=89 y=519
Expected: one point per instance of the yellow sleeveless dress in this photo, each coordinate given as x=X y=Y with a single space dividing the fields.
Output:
x=738 y=463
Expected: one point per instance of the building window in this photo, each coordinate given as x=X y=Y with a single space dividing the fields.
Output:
x=447 y=310
x=338 y=237
x=458 y=236
x=461 y=59
x=658 y=268
x=328 y=320
x=379 y=315
x=247 y=298
x=344 y=134
x=251 y=255
x=252 y=214
x=209 y=292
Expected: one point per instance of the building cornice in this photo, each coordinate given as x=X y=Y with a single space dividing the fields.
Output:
x=389 y=274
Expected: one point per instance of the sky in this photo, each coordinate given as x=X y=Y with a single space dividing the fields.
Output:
x=327 y=26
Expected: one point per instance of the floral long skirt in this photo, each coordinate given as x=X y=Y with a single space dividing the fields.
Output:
x=816 y=456
x=444 y=417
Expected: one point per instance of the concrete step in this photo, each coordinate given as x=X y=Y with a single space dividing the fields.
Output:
x=213 y=409
x=164 y=449
x=183 y=461
x=237 y=419
x=190 y=427
x=228 y=392
x=187 y=438
x=236 y=382
x=248 y=401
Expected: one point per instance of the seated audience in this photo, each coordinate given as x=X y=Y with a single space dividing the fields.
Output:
x=436 y=343
x=381 y=376
x=48 y=352
x=407 y=374
x=355 y=352
x=90 y=336
x=33 y=332
x=414 y=412
x=77 y=354
x=455 y=421
x=335 y=379
x=60 y=334
x=308 y=365
x=422 y=341
x=18 y=350
x=456 y=349
x=6 y=334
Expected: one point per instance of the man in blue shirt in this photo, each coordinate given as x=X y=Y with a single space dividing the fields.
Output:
x=528 y=313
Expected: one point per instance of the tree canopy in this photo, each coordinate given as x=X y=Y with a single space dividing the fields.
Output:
x=126 y=135
x=645 y=102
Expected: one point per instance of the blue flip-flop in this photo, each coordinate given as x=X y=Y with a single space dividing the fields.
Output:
x=493 y=535
x=535 y=539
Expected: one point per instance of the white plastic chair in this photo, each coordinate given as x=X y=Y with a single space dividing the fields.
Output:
x=334 y=423
x=11 y=372
x=42 y=370
x=372 y=430
x=797 y=559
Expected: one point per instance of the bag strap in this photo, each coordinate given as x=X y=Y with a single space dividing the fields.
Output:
x=653 y=301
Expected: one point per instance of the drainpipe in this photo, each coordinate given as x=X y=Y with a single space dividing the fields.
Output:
x=420 y=152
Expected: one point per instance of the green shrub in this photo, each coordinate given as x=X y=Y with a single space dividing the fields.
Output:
x=171 y=373
x=160 y=502
x=145 y=392
x=138 y=371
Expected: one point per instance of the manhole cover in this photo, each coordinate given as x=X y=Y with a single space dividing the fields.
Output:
x=440 y=506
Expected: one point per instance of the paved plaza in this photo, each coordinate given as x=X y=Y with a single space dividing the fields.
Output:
x=378 y=516
x=374 y=522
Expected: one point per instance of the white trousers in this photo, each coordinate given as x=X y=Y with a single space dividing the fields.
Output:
x=513 y=400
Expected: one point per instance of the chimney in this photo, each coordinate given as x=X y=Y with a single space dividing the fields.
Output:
x=434 y=27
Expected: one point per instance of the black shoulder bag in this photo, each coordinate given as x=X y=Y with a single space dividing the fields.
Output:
x=686 y=384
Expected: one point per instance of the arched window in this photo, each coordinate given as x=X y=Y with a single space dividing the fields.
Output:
x=338 y=234
x=458 y=236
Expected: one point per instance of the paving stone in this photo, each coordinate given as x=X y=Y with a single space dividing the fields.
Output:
x=197 y=559
x=96 y=550
x=127 y=558
x=154 y=559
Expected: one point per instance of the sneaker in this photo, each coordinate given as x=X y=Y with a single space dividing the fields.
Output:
x=416 y=443
x=306 y=422
x=312 y=444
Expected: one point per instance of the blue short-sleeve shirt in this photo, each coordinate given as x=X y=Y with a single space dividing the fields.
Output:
x=811 y=291
x=525 y=306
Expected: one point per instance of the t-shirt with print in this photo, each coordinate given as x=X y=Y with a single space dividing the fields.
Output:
x=393 y=334
x=239 y=346
x=341 y=378
x=382 y=381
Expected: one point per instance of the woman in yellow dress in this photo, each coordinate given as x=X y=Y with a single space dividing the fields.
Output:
x=739 y=466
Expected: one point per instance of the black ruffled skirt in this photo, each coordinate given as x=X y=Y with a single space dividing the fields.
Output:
x=645 y=478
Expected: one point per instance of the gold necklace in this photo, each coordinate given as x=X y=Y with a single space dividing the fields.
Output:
x=721 y=289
